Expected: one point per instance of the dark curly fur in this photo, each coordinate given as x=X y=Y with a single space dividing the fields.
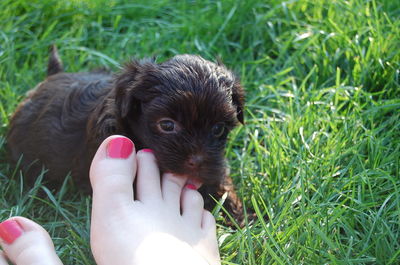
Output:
x=64 y=119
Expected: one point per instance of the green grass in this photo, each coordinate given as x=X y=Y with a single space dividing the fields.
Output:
x=319 y=155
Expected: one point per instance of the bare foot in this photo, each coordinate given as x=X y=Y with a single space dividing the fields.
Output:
x=26 y=243
x=162 y=222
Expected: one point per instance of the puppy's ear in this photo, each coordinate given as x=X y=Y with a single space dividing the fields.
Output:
x=237 y=93
x=133 y=86
x=238 y=100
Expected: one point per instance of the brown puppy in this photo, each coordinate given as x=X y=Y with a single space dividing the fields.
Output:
x=183 y=109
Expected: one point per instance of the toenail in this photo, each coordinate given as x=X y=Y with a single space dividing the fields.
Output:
x=147 y=150
x=191 y=186
x=10 y=230
x=120 y=147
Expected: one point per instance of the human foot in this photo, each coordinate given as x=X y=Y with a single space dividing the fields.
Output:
x=26 y=243
x=162 y=222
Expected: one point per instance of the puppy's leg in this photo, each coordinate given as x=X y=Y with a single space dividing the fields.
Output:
x=232 y=203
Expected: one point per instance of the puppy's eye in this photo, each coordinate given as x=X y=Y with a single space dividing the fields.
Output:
x=218 y=129
x=167 y=126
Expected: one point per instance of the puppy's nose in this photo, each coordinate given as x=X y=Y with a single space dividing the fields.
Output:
x=195 y=161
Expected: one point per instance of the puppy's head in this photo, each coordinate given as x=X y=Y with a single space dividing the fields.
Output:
x=183 y=109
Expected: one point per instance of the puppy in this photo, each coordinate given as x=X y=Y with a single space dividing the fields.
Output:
x=182 y=109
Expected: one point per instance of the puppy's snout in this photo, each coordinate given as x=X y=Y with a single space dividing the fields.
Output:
x=195 y=161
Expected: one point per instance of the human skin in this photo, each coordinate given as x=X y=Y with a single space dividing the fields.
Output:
x=162 y=222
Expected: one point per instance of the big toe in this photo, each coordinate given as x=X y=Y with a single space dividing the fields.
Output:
x=26 y=243
x=112 y=174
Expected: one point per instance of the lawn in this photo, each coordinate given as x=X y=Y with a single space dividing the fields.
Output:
x=318 y=158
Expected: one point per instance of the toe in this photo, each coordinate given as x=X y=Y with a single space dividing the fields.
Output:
x=148 y=187
x=192 y=206
x=31 y=245
x=3 y=259
x=208 y=223
x=209 y=246
x=172 y=186
x=112 y=173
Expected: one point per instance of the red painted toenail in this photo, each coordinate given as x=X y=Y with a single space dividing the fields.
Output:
x=10 y=230
x=147 y=150
x=120 y=147
x=191 y=186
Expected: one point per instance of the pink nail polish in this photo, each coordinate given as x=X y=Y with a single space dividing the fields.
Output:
x=10 y=230
x=191 y=186
x=147 y=150
x=120 y=147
